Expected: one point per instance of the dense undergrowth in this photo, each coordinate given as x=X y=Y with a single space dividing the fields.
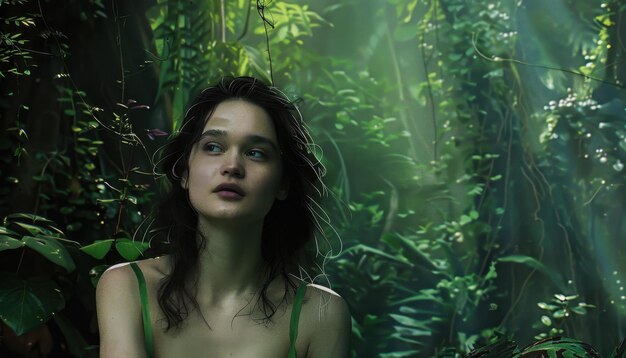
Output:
x=475 y=151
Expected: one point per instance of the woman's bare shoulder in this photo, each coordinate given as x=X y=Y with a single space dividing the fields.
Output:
x=325 y=301
x=122 y=273
x=115 y=279
x=327 y=320
x=118 y=287
x=119 y=308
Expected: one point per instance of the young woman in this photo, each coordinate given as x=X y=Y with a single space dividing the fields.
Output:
x=237 y=219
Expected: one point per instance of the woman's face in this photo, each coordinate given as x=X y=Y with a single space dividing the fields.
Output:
x=235 y=170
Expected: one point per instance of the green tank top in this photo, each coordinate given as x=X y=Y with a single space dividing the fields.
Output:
x=147 y=327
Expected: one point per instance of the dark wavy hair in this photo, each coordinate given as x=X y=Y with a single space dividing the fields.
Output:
x=288 y=227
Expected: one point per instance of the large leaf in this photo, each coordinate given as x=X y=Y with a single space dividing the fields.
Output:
x=9 y=243
x=558 y=347
x=129 y=249
x=27 y=304
x=98 y=249
x=52 y=250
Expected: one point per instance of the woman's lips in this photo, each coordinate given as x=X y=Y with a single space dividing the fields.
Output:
x=229 y=191
x=228 y=194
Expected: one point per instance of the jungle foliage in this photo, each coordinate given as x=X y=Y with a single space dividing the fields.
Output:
x=475 y=155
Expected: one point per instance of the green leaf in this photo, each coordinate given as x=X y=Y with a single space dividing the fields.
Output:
x=534 y=263
x=9 y=243
x=95 y=274
x=492 y=273
x=371 y=250
x=98 y=249
x=5 y=231
x=27 y=304
x=464 y=220
x=29 y=224
x=431 y=295
x=546 y=320
x=51 y=249
x=406 y=331
x=560 y=297
x=26 y=229
x=410 y=322
x=130 y=250
x=566 y=347
x=28 y=218
x=559 y=314
x=547 y=307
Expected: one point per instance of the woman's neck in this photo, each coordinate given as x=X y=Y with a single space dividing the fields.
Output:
x=230 y=265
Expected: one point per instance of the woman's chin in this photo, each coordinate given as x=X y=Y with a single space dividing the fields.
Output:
x=231 y=216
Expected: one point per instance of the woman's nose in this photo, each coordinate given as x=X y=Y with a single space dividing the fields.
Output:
x=232 y=166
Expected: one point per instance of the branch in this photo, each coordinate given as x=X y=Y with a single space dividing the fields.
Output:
x=512 y=60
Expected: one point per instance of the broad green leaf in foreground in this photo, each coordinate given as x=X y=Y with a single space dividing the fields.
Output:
x=51 y=249
x=27 y=304
x=558 y=346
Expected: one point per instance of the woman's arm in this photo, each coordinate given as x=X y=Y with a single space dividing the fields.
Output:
x=330 y=323
x=119 y=314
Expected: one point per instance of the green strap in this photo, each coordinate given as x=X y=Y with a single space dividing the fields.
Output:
x=295 y=317
x=145 y=309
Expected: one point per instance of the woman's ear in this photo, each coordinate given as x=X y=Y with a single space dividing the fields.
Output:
x=183 y=181
x=284 y=189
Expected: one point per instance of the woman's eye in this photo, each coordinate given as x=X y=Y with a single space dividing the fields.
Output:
x=256 y=154
x=212 y=147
